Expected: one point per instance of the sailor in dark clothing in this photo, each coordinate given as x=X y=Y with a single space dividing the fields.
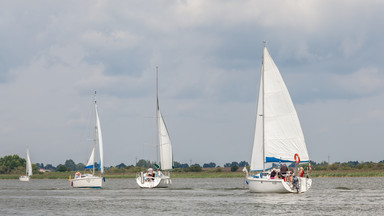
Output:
x=295 y=183
x=283 y=171
x=273 y=174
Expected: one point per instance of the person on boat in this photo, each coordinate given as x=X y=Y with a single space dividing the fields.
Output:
x=158 y=173
x=301 y=172
x=291 y=174
x=283 y=171
x=295 y=182
x=273 y=174
x=77 y=175
x=150 y=173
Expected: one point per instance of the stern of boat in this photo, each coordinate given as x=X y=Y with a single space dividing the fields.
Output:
x=24 y=178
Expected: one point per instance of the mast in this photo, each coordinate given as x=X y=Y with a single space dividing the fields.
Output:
x=157 y=116
x=26 y=167
x=96 y=132
x=262 y=76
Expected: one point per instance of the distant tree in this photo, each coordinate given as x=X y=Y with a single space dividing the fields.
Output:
x=35 y=168
x=143 y=163
x=121 y=166
x=353 y=163
x=334 y=166
x=11 y=162
x=180 y=165
x=176 y=164
x=209 y=165
x=80 y=166
x=40 y=165
x=70 y=164
x=243 y=164
x=50 y=167
x=234 y=168
x=231 y=164
x=62 y=168
x=194 y=168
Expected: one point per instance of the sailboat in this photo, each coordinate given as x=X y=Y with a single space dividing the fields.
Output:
x=161 y=177
x=90 y=180
x=278 y=136
x=28 y=169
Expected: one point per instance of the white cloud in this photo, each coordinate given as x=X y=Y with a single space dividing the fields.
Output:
x=365 y=81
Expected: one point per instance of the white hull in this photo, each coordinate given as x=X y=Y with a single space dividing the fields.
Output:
x=87 y=182
x=161 y=181
x=24 y=178
x=267 y=185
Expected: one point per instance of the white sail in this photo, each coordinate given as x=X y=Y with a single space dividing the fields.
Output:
x=283 y=134
x=29 y=164
x=257 y=162
x=166 y=160
x=91 y=160
x=100 y=140
x=280 y=133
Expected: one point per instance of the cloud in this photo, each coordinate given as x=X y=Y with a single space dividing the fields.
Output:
x=364 y=82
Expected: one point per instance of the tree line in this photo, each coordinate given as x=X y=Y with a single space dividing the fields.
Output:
x=14 y=164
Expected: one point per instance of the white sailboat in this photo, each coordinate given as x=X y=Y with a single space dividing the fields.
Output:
x=278 y=135
x=28 y=169
x=90 y=180
x=161 y=177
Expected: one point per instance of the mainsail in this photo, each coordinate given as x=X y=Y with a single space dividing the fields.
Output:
x=29 y=164
x=278 y=134
x=165 y=146
x=166 y=160
x=100 y=140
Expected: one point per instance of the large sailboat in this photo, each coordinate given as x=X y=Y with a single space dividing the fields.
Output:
x=278 y=137
x=28 y=169
x=90 y=180
x=160 y=177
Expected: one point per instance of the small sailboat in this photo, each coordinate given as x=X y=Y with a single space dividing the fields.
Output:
x=90 y=180
x=28 y=169
x=160 y=177
x=278 y=136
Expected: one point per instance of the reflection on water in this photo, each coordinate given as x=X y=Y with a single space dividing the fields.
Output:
x=225 y=196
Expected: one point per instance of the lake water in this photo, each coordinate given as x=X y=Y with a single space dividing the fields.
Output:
x=223 y=196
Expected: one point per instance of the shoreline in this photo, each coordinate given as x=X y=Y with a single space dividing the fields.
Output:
x=206 y=174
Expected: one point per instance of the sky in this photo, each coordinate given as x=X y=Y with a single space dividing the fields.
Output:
x=55 y=54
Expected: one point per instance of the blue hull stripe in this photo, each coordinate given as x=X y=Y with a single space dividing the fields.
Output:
x=273 y=159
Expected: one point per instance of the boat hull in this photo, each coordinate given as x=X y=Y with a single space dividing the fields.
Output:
x=24 y=178
x=264 y=185
x=88 y=182
x=162 y=181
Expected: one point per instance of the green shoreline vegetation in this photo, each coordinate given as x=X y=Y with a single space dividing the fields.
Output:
x=211 y=173
x=12 y=166
x=314 y=174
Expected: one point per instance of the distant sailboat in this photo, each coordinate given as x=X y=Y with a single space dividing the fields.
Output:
x=90 y=180
x=278 y=135
x=28 y=169
x=159 y=178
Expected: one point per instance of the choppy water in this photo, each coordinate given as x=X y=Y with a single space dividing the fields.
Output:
x=328 y=196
